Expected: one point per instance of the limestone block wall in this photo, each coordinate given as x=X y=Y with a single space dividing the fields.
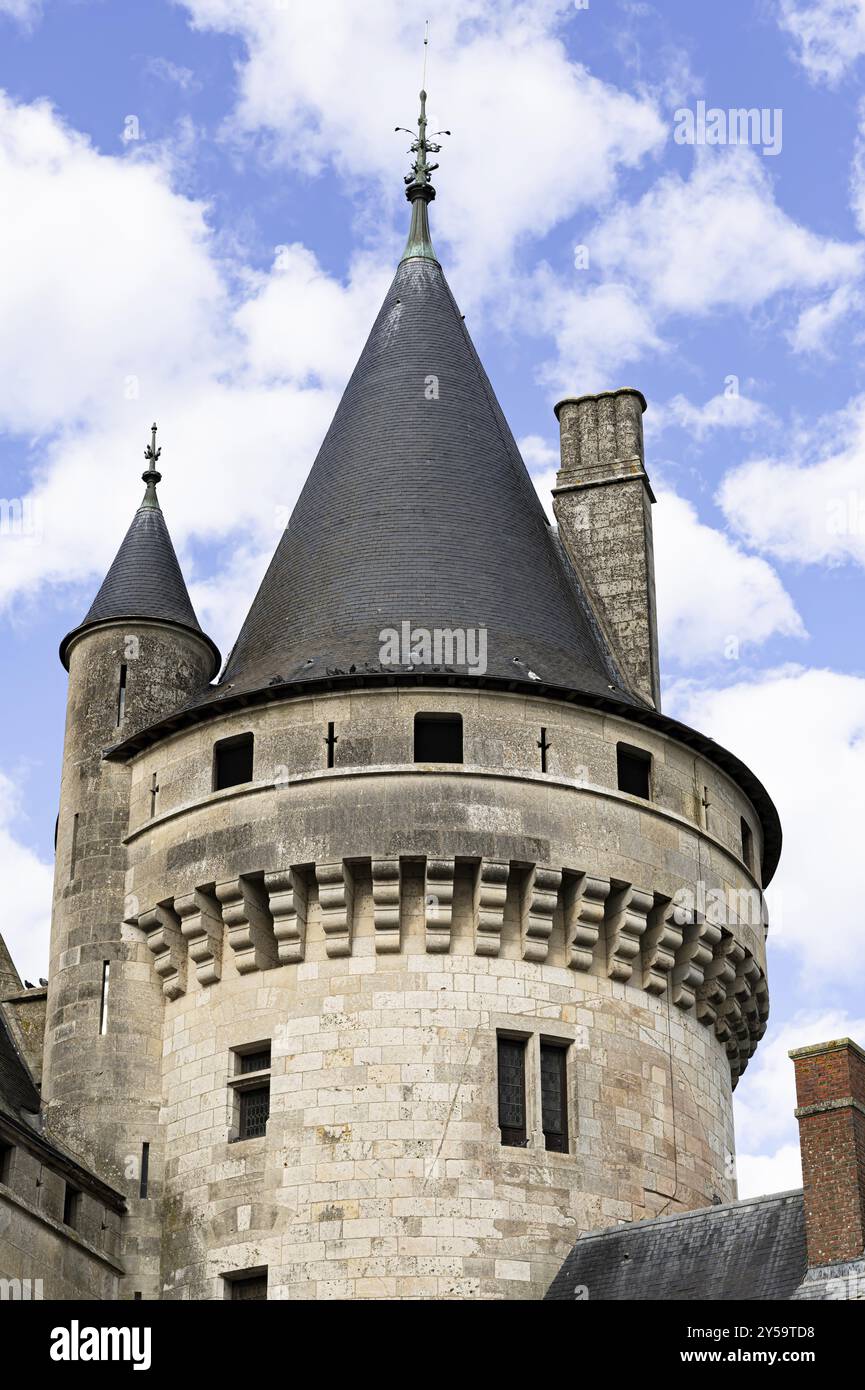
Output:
x=379 y=922
x=381 y=1173
x=101 y=1086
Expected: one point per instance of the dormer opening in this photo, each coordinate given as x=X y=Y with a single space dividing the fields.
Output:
x=438 y=738
x=634 y=770
x=232 y=761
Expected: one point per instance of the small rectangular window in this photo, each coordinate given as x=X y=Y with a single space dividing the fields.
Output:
x=145 y=1169
x=512 y=1091
x=554 y=1096
x=254 y=1061
x=634 y=766
x=232 y=762
x=254 y=1111
x=747 y=843
x=253 y=1095
x=248 y=1287
x=438 y=738
x=6 y=1152
x=71 y=1205
x=121 y=695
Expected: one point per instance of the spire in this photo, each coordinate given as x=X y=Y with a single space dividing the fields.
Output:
x=151 y=476
x=419 y=189
x=145 y=581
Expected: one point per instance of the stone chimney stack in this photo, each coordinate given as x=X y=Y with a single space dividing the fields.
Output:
x=830 y=1089
x=602 y=502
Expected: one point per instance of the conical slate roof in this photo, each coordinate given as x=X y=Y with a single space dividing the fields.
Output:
x=419 y=509
x=145 y=579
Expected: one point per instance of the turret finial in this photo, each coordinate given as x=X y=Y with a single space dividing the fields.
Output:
x=151 y=476
x=419 y=189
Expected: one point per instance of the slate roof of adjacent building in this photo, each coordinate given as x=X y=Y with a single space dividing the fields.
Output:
x=753 y=1250
x=145 y=579
x=18 y=1094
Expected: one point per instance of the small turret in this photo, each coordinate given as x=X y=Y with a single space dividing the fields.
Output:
x=138 y=655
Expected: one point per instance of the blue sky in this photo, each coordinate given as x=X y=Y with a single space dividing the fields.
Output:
x=200 y=209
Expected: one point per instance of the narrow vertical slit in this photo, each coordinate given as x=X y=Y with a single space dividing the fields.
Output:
x=145 y=1169
x=74 y=853
x=103 y=1001
x=121 y=695
x=331 y=742
x=545 y=748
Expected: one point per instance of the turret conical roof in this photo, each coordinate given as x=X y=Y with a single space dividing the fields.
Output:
x=145 y=580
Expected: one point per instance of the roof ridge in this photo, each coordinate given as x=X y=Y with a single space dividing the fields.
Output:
x=716 y=1207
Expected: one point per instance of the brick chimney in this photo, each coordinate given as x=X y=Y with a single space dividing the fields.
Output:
x=830 y=1089
x=602 y=502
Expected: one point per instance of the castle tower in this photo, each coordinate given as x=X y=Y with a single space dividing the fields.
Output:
x=138 y=654
x=456 y=941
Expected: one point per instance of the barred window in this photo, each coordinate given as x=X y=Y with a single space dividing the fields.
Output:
x=251 y=1086
x=254 y=1110
x=512 y=1091
x=554 y=1096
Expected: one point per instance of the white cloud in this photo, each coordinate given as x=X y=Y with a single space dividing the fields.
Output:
x=721 y=412
x=766 y=1129
x=857 y=172
x=713 y=242
x=125 y=318
x=713 y=598
x=829 y=35
x=802 y=731
x=816 y=322
x=25 y=930
x=810 y=507
x=711 y=594
x=496 y=66
x=597 y=333
x=129 y=284
x=717 y=239
x=26 y=12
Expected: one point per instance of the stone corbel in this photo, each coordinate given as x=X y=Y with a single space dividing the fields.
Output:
x=699 y=938
x=386 y=905
x=490 y=898
x=718 y=978
x=585 y=899
x=336 y=897
x=624 y=930
x=247 y=916
x=661 y=941
x=202 y=927
x=541 y=899
x=438 y=904
x=287 y=899
x=165 y=940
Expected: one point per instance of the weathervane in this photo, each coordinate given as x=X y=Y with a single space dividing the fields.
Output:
x=421 y=147
x=151 y=475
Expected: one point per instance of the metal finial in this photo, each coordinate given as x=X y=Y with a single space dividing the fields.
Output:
x=151 y=476
x=420 y=148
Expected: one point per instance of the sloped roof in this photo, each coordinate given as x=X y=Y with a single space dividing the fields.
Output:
x=144 y=580
x=419 y=509
x=752 y=1250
